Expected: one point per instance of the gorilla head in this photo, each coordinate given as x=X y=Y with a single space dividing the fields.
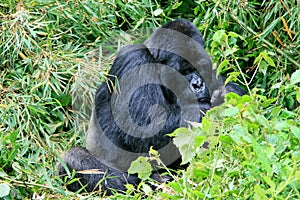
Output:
x=162 y=84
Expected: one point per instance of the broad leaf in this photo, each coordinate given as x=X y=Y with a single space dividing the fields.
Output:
x=142 y=167
x=295 y=78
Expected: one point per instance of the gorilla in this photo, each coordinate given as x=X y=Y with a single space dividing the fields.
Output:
x=153 y=88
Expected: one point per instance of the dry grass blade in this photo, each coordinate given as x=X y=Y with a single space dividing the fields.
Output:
x=286 y=28
x=91 y=171
x=277 y=38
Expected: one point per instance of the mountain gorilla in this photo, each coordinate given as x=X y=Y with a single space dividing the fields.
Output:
x=161 y=84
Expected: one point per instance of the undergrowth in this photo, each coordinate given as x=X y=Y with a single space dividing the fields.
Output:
x=54 y=54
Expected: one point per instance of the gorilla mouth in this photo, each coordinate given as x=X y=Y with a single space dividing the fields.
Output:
x=196 y=86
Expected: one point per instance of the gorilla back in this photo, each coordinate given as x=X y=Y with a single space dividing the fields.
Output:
x=162 y=83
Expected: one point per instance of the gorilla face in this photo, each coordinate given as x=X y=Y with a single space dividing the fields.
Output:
x=199 y=88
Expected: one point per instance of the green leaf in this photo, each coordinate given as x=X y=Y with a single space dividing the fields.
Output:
x=239 y=134
x=257 y=59
x=2 y=173
x=232 y=77
x=298 y=95
x=270 y=183
x=295 y=78
x=229 y=51
x=223 y=64
x=65 y=99
x=281 y=125
x=260 y=154
x=185 y=141
x=142 y=167
x=297 y=175
x=268 y=59
x=129 y=188
x=4 y=190
x=259 y=193
x=177 y=5
x=146 y=188
x=230 y=112
x=37 y=109
x=262 y=67
x=181 y=136
x=270 y=151
x=175 y=186
x=227 y=139
x=296 y=131
x=199 y=141
x=262 y=120
x=233 y=34
x=219 y=36
x=276 y=85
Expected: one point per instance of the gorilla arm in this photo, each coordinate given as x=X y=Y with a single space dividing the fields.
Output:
x=92 y=173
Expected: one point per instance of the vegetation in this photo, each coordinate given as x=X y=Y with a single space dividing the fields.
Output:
x=54 y=54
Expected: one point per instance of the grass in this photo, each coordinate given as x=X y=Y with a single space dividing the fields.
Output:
x=54 y=54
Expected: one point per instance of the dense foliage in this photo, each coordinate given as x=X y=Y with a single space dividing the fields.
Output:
x=54 y=54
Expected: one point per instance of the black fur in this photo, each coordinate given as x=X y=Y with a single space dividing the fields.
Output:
x=163 y=83
x=98 y=176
